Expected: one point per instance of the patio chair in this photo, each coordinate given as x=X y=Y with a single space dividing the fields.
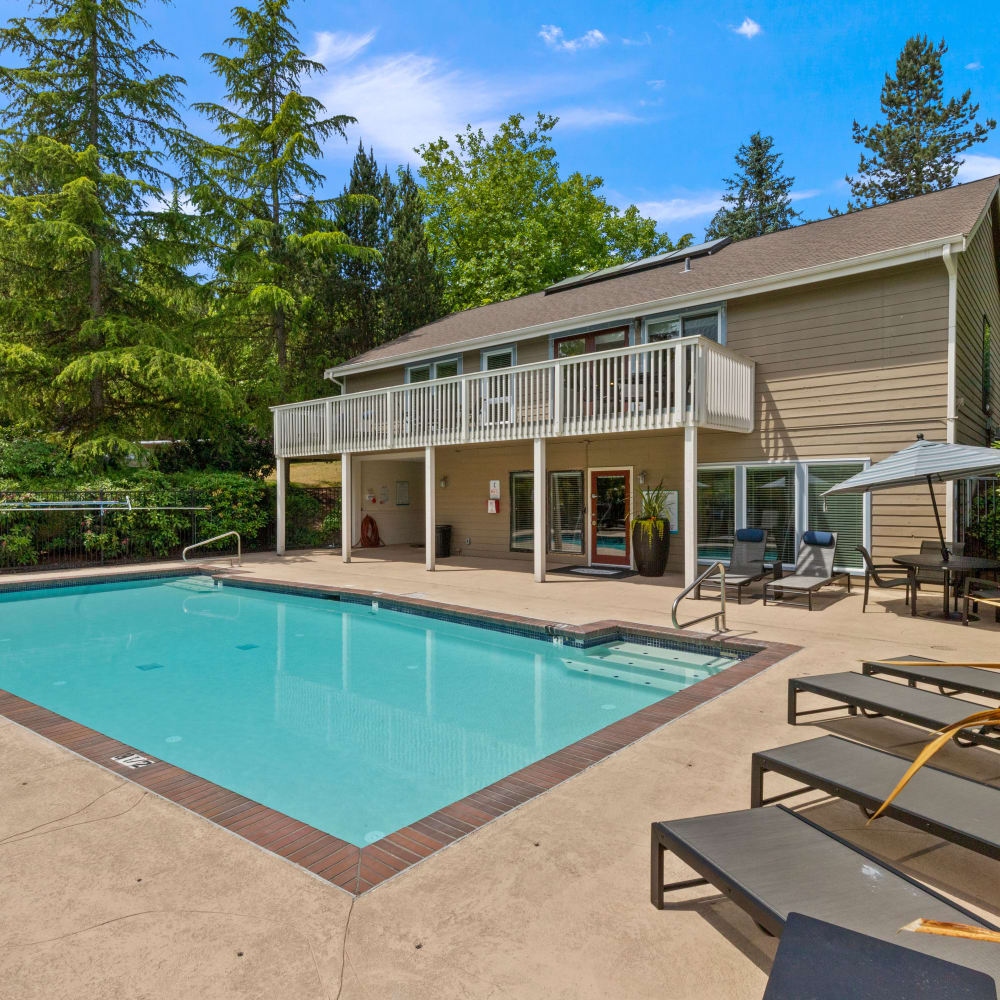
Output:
x=935 y=576
x=979 y=591
x=746 y=563
x=874 y=697
x=772 y=862
x=884 y=576
x=946 y=805
x=813 y=569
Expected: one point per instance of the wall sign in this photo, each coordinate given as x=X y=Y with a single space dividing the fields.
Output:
x=494 y=489
x=492 y=506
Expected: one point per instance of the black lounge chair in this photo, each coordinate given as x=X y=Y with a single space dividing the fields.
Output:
x=813 y=569
x=885 y=576
x=873 y=696
x=956 y=809
x=746 y=562
x=948 y=680
x=771 y=862
x=822 y=961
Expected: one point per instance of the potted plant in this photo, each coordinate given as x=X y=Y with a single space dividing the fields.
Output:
x=651 y=533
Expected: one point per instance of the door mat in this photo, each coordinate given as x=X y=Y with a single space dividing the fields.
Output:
x=598 y=572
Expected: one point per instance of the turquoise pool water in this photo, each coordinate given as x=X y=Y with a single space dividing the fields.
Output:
x=354 y=720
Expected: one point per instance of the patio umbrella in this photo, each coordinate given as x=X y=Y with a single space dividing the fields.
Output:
x=924 y=461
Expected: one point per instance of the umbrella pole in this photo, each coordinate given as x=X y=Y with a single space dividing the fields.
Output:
x=945 y=554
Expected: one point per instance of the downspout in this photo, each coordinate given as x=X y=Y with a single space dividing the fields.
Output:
x=951 y=417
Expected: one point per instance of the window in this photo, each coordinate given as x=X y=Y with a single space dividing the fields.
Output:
x=987 y=393
x=425 y=371
x=522 y=533
x=502 y=357
x=843 y=514
x=716 y=512
x=567 y=511
x=771 y=506
x=785 y=500
x=588 y=343
x=695 y=325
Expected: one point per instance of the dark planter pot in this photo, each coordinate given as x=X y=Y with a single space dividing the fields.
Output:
x=651 y=551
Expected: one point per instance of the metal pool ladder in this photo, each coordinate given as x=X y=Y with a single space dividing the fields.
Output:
x=719 y=615
x=208 y=541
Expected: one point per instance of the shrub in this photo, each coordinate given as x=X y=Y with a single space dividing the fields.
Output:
x=17 y=547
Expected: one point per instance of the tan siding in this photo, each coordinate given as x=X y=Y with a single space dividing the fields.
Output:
x=381 y=378
x=978 y=296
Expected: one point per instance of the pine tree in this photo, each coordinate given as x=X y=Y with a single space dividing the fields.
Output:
x=413 y=289
x=257 y=192
x=916 y=149
x=758 y=198
x=93 y=346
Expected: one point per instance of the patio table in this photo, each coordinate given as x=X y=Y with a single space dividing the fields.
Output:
x=957 y=565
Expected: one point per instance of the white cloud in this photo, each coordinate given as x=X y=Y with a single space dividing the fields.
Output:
x=644 y=40
x=592 y=117
x=804 y=193
x=683 y=207
x=749 y=28
x=555 y=38
x=974 y=65
x=405 y=100
x=332 y=47
x=656 y=84
x=976 y=166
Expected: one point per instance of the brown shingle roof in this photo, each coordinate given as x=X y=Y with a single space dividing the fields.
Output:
x=951 y=212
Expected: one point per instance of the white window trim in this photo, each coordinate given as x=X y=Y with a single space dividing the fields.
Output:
x=801 y=467
x=505 y=349
x=433 y=364
x=718 y=308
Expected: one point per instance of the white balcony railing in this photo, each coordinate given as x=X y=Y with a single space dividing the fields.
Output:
x=690 y=381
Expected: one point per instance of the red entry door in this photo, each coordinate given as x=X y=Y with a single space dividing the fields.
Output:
x=610 y=495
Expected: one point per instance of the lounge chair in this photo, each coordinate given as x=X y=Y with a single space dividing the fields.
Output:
x=873 y=696
x=813 y=569
x=948 y=680
x=823 y=961
x=746 y=563
x=772 y=861
x=885 y=576
x=946 y=805
x=979 y=591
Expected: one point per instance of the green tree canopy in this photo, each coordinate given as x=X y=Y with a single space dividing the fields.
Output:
x=758 y=197
x=501 y=222
x=916 y=149
x=95 y=345
x=255 y=190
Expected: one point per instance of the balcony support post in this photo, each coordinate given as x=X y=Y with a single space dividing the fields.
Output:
x=430 y=508
x=282 y=471
x=689 y=515
x=346 y=506
x=538 y=509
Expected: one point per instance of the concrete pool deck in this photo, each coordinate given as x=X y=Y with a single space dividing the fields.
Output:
x=111 y=891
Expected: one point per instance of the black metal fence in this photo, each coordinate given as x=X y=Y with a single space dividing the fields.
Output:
x=978 y=516
x=98 y=528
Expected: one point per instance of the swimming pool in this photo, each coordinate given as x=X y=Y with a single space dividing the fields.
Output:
x=354 y=718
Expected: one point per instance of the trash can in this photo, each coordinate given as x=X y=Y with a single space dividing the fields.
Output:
x=442 y=541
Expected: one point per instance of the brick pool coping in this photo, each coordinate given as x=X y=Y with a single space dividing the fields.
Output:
x=359 y=869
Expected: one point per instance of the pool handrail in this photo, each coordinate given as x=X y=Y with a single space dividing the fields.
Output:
x=719 y=615
x=217 y=538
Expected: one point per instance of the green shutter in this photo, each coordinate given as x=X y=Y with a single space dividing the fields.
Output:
x=844 y=514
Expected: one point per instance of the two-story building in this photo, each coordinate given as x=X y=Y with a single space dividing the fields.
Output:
x=747 y=377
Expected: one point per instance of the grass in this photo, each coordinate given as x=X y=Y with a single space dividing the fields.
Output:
x=312 y=473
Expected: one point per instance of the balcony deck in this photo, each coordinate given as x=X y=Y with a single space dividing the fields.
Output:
x=687 y=382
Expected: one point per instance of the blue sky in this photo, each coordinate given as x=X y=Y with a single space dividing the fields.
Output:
x=653 y=97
